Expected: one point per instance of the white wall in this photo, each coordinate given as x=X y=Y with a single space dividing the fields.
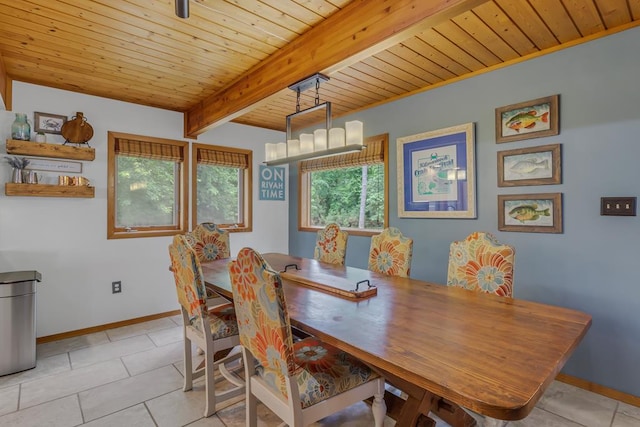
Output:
x=65 y=238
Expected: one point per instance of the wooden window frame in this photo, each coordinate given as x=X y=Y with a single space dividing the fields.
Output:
x=247 y=193
x=304 y=191
x=182 y=186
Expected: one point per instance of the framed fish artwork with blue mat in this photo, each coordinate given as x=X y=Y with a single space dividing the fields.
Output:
x=530 y=213
x=529 y=119
x=540 y=165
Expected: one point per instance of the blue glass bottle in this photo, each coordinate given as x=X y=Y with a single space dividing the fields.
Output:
x=21 y=129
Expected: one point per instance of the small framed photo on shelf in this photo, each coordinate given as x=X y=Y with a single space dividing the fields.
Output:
x=530 y=213
x=530 y=166
x=529 y=119
x=48 y=123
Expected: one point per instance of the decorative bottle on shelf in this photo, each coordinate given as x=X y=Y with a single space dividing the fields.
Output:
x=20 y=128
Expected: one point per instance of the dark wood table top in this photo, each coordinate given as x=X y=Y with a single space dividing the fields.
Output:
x=491 y=354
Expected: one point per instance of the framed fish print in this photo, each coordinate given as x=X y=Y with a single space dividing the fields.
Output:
x=530 y=213
x=530 y=166
x=436 y=173
x=530 y=119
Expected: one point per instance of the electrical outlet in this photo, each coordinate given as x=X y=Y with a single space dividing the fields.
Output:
x=620 y=206
x=116 y=287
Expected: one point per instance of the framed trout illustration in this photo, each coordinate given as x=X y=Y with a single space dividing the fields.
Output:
x=530 y=119
x=530 y=213
x=436 y=173
x=530 y=166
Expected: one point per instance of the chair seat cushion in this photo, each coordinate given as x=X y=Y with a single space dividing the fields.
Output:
x=222 y=320
x=323 y=371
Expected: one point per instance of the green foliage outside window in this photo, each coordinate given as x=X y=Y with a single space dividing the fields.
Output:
x=219 y=194
x=146 y=192
x=338 y=195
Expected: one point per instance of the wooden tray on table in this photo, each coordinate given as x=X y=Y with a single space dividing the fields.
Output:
x=352 y=286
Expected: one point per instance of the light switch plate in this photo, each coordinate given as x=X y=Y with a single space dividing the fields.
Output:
x=618 y=206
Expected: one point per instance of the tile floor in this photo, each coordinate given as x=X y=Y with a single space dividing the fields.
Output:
x=132 y=377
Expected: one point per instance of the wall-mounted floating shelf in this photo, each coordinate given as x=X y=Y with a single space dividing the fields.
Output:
x=43 y=149
x=44 y=190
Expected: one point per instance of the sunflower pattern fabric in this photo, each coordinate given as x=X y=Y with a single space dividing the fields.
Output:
x=191 y=291
x=320 y=370
x=391 y=253
x=481 y=263
x=209 y=242
x=331 y=245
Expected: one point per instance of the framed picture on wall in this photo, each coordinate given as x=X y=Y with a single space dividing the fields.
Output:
x=48 y=123
x=530 y=213
x=436 y=174
x=530 y=166
x=529 y=119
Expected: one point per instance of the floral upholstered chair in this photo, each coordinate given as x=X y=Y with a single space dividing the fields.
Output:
x=300 y=382
x=211 y=330
x=331 y=245
x=481 y=263
x=210 y=243
x=391 y=253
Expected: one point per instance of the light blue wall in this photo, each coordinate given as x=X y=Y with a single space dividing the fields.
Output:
x=593 y=265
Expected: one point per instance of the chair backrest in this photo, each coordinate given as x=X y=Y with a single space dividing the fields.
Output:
x=391 y=253
x=209 y=242
x=331 y=244
x=188 y=277
x=263 y=320
x=481 y=263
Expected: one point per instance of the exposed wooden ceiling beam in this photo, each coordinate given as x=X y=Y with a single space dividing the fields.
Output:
x=362 y=28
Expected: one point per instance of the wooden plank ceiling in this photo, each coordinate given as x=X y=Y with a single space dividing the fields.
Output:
x=139 y=51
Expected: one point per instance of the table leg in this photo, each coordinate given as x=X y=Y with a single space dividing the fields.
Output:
x=452 y=413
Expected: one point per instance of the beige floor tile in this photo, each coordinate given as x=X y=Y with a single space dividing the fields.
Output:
x=167 y=336
x=154 y=358
x=234 y=416
x=111 y=350
x=177 y=408
x=44 y=367
x=109 y=398
x=176 y=319
x=63 y=412
x=581 y=406
x=70 y=382
x=139 y=329
x=212 y=421
x=622 y=420
x=629 y=410
x=70 y=344
x=541 y=418
x=358 y=415
x=9 y=399
x=136 y=416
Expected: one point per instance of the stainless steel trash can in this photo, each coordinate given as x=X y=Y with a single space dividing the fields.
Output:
x=18 y=321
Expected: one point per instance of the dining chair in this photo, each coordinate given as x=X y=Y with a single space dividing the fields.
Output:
x=211 y=330
x=391 y=253
x=481 y=263
x=302 y=381
x=210 y=243
x=331 y=244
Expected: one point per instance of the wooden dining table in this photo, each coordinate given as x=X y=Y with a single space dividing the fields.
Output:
x=445 y=347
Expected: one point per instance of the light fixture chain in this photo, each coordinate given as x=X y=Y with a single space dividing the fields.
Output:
x=317 y=91
x=298 y=101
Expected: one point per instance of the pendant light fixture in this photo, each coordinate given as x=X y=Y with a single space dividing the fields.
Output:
x=320 y=142
x=182 y=8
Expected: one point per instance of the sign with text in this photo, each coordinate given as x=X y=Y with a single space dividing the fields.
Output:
x=272 y=183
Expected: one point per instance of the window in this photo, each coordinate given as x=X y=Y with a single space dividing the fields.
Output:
x=349 y=189
x=147 y=186
x=221 y=189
